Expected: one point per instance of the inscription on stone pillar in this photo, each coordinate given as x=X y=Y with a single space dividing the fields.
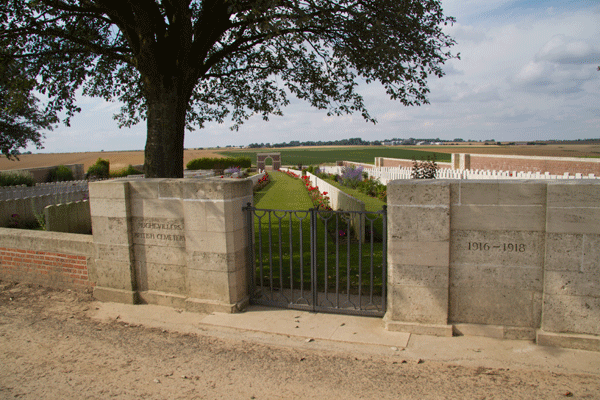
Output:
x=158 y=232
x=508 y=248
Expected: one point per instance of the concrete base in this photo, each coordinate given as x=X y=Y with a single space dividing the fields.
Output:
x=162 y=299
x=494 y=331
x=210 y=306
x=567 y=340
x=115 y=295
x=419 y=329
x=190 y=304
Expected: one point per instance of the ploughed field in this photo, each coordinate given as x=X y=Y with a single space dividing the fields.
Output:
x=118 y=159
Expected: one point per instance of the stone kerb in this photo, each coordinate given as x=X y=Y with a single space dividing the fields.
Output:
x=418 y=257
x=175 y=242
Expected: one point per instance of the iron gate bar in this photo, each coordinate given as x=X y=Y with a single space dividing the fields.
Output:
x=313 y=302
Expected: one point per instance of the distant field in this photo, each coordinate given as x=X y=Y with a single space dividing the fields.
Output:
x=309 y=155
x=320 y=155
x=550 y=150
x=118 y=159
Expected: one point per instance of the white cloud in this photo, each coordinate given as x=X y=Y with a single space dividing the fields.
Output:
x=528 y=70
x=564 y=50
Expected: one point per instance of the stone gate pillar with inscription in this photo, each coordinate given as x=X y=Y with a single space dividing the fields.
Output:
x=173 y=242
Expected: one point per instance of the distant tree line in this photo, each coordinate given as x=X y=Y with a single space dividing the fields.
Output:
x=294 y=143
x=408 y=142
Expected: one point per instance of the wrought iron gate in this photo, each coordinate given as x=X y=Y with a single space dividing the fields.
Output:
x=343 y=270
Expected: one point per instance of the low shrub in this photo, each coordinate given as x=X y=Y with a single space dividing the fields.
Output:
x=100 y=170
x=60 y=174
x=218 y=163
x=16 y=179
x=351 y=176
x=374 y=188
x=129 y=170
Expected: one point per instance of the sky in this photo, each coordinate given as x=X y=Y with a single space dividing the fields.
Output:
x=528 y=70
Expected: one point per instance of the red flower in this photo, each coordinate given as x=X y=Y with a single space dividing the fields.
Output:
x=324 y=193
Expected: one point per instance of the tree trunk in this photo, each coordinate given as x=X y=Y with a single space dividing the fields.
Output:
x=166 y=129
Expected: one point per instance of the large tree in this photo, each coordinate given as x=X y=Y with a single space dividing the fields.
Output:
x=181 y=63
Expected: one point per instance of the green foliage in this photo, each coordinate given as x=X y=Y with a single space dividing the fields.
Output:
x=20 y=119
x=166 y=63
x=100 y=170
x=16 y=179
x=39 y=216
x=129 y=170
x=218 y=163
x=60 y=173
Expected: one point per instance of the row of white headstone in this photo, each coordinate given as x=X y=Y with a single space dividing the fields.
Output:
x=386 y=174
x=43 y=189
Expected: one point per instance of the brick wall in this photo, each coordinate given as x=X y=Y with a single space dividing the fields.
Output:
x=44 y=268
x=553 y=165
x=60 y=260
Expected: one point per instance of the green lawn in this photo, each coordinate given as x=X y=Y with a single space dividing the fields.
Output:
x=283 y=193
x=330 y=155
x=282 y=240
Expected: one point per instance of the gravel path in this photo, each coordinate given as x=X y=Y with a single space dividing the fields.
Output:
x=50 y=349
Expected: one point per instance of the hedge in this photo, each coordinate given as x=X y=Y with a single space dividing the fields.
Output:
x=219 y=163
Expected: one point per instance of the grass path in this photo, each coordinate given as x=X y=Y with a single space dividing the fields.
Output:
x=283 y=193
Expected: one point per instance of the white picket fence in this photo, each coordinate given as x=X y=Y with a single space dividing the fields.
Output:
x=386 y=174
x=43 y=189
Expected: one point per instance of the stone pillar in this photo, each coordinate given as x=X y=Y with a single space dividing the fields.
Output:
x=175 y=242
x=571 y=308
x=496 y=257
x=418 y=257
x=461 y=161
x=110 y=210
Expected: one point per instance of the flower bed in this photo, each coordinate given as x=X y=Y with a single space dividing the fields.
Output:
x=290 y=173
x=320 y=200
x=262 y=182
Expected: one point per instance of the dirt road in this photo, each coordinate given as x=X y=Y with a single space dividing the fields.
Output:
x=51 y=349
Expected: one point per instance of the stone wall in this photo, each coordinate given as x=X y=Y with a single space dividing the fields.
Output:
x=72 y=217
x=502 y=258
x=552 y=165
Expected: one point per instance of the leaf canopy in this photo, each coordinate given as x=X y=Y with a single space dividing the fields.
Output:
x=229 y=59
x=230 y=52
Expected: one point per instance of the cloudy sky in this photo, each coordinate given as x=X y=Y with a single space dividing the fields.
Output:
x=528 y=71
